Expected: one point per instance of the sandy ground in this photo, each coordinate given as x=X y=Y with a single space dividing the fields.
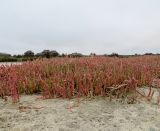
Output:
x=10 y=63
x=99 y=114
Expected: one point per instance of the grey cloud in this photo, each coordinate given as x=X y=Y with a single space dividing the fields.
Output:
x=100 y=26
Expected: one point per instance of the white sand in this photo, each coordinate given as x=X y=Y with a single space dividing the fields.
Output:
x=10 y=63
x=90 y=115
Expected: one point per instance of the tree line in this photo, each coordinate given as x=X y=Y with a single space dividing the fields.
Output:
x=30 y=55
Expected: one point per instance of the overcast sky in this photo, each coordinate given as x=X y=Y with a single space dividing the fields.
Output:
x=100 y=26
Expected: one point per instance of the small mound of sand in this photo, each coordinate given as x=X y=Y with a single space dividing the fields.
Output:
x=99 y=114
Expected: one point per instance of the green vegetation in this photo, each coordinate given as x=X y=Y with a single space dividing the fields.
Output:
x=30 y=55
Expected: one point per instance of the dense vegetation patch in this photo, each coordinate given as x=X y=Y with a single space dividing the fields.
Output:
x=77 y=77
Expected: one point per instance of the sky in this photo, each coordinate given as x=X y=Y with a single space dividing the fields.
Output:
x=85 y=26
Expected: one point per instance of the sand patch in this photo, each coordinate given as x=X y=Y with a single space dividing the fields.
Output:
x=32 y=114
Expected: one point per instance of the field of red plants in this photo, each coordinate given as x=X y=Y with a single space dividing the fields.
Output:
x=79 y=77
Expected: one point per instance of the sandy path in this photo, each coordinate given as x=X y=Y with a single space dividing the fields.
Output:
x=94 y=115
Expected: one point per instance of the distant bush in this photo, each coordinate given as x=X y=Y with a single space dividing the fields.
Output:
x=17 y=56
x=75 y=55
x=114 y=55
x=148 y=54
x=63 y=55
x=54 y=53
x=8 y=59
x=29 y=53
x=92 y=54
x=45 y=53
x=48 y=54
x=4 y=55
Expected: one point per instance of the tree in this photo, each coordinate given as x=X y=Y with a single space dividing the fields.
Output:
x=29 y=53
x=46 y=53
x=54 y=53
